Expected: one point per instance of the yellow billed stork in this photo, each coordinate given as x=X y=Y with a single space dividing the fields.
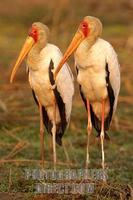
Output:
x=54 y=103
x=98 y=75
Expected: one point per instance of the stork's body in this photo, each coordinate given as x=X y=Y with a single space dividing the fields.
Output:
x=40 y=81
x=98 y=75
x=54 y=103
x=93 y=66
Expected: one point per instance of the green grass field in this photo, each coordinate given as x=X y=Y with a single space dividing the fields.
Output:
x=19 y=116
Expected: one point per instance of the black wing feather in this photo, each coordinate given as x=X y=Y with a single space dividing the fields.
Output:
x=111 y=98
x=60 y=127
x=61 y=106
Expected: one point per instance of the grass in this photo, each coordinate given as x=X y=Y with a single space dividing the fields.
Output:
x=118 y=155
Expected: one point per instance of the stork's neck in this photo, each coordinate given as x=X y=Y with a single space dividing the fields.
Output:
x=82 y=51
x=34 y=57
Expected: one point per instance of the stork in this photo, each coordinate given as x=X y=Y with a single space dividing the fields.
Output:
x=98 y=75
x=54 y=103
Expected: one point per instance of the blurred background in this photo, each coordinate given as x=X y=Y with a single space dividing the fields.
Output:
x=19 y=117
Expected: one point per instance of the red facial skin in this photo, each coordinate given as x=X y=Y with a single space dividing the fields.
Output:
x=84 y=28
x=34 y=33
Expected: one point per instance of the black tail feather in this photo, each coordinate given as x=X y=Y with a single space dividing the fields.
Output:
x=58 y=139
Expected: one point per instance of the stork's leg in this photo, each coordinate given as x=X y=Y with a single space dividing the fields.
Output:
x=89 y=130
x=41 y=134
x=54 y=136
x=102 y=134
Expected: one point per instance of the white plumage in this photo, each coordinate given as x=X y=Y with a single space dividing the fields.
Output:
x=98 y=75
x=91 y=76
x=40 y=83
x=55 y=103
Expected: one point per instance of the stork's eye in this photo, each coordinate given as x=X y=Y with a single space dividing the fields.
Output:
x=35 y=31
x=84 y=28
x=84 y=25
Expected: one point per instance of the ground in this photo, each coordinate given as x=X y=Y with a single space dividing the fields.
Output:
x=19 y=117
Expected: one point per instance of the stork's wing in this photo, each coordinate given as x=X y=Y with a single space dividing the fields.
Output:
x=65 y=86
x=59 y=100
x=63 y=101
x=114 y=74
x=111 y=98
x=64 y=83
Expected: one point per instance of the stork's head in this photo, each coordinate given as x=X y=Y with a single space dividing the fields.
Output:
x=89 y=29
x=39 y=32
x=37 y=37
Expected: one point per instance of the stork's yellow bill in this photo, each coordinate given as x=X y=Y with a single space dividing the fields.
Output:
x=24 y=51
